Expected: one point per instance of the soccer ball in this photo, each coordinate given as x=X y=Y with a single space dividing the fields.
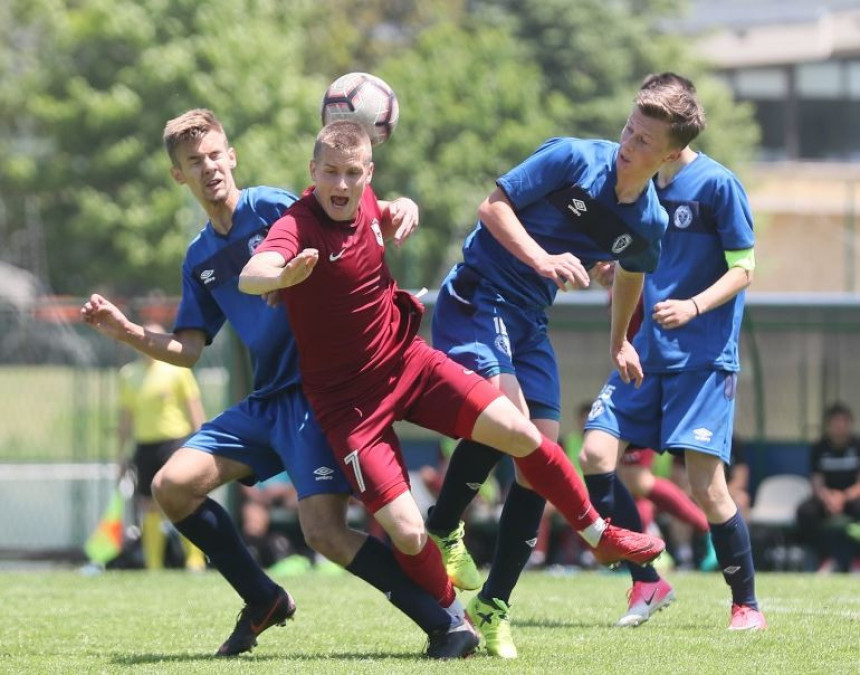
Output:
x=362 y=98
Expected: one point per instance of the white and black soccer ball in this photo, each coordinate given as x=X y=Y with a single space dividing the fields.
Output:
x=362 y=98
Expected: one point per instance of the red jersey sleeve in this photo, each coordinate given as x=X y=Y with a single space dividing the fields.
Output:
x=283 y=237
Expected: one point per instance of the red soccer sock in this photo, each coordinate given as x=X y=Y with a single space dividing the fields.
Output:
x=552 y=476
x=646 y=512
x=673 y=500
x=427 y=570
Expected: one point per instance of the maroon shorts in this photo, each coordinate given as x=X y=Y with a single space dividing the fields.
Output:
x=637 y=456
x=428 y=389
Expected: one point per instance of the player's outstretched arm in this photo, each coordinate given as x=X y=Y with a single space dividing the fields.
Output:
x=268 y=271
x=180 y=349
x=498 y=216
x=399 y=219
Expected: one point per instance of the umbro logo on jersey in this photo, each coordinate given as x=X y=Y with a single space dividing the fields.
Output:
x=703 y=435
x=207 y=276
x=323 y=473
x=577 y=207
x=336 y=256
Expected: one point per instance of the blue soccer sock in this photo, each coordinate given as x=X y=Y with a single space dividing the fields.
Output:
x=375 y=564
x=613 y=500
x=468 y=468
x=518 y=531
x=734 y=551
x=211 y=529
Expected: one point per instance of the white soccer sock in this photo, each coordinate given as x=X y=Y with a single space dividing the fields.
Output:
x=594 y=532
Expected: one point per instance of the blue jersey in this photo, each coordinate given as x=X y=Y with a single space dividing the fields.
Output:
x=564 y=196
x=210 y=290
x=708 y=215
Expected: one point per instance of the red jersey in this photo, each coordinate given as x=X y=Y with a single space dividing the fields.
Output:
x=351 y=322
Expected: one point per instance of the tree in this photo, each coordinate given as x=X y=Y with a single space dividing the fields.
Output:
x=481 y=84
x=82 y=133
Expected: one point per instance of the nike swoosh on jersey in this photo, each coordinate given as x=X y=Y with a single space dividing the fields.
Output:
x=335 y=257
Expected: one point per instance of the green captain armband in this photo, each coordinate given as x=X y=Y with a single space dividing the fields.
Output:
x=745 y=259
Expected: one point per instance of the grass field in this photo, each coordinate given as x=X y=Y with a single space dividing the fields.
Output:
x=171 y=622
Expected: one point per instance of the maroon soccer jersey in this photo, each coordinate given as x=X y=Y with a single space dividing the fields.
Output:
x=349 y=318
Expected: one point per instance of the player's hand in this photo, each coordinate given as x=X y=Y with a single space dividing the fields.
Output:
x=403 y=213
x=603 y=273
x=104 y=316
x=299 y=268
x=565 y=269
x=626 y=360
x=674 y=313
x=272 y=298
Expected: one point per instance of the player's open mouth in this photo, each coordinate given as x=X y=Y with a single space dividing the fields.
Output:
x=339 y=202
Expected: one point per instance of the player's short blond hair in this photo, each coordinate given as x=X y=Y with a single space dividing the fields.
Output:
x=672 y=98
x=188 y=126
x=343 y=136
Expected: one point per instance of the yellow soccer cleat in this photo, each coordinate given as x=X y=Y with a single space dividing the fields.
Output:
x=459 y=565
x=491 y=620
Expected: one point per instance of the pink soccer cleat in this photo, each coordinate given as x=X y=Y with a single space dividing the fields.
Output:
x=745 y=617
x=644 y=600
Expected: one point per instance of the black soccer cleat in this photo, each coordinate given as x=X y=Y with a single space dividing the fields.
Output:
x=457 y=642
x=254 y=619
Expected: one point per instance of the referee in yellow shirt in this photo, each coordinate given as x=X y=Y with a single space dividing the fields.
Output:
x=159 y=408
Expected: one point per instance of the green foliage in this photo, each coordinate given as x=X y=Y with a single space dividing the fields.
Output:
x=481 y=84
x=172 y=622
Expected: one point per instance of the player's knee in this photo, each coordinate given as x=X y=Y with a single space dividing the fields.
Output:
x=409 y=540
x=173 y=492
x=327 y=541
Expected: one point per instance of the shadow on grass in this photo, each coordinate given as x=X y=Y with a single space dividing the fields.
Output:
x=553 y=623
x=139 y=659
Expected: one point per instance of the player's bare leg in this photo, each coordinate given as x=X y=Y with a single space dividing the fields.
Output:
x=730 y=536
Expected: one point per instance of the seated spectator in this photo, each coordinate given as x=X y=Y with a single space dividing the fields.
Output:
x=825 y=519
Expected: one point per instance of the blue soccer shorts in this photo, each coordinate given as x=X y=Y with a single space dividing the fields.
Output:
x=686 y=410
x=272 y=434
x=476 y=327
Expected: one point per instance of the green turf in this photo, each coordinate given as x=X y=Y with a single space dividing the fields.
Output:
x=170 y=622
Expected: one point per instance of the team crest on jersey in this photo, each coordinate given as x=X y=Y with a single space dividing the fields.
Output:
x=683 y=217
x=375 y=227
x=621 y=243
x=254 y=242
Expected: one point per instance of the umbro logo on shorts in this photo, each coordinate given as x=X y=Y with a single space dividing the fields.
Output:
x=323 y=473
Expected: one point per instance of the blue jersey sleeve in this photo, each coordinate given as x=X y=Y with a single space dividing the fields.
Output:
x=197 y=308
x=733 y=216
x=653 y=221
x=551 y=167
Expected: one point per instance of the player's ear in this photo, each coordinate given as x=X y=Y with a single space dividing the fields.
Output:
x=370 y=172
x=231 y=153
x=312 y=169
x=177 y=174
